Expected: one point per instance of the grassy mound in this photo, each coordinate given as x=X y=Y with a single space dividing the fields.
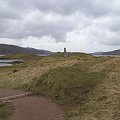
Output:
x=86 y=87
x=87 y=90
x=31 y=68
x=73 y=54
x=70 y=86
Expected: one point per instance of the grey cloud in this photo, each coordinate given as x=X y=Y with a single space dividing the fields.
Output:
x=89 y=7
x=7 y=12
x=57 y=32
x=23 y=18
x=114 y=25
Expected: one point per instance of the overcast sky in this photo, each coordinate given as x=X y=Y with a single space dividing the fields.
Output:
x=78 y=25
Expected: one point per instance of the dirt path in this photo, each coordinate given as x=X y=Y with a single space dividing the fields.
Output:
x=7 y=92
x=33 y=107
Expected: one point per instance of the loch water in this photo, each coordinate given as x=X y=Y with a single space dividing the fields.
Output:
x=4 y=63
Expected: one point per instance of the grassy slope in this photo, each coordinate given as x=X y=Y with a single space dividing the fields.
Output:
x=30 y=69
x=5 y=111
x=87 y=88
x=71 y=86
x=20 y=56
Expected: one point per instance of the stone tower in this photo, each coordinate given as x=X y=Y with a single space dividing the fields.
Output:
x=65 y=52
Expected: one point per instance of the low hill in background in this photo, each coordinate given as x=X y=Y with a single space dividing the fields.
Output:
x=115 y=52
x=12 y=49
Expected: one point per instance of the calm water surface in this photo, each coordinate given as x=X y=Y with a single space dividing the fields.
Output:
x=8 y=61
x=4 y=63
x=107 y=55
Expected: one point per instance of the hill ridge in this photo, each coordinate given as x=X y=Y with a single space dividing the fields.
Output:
x=114 y=52
x=14 y=49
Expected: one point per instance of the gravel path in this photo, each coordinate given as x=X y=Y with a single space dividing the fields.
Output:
x=33 y=107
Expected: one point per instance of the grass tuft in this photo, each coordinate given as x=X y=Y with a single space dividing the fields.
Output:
x=5 y=111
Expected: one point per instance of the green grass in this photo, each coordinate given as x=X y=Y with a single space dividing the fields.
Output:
x=5 y=111
x=20 y=56
x=69 y=86
x=87 y=88
x=71 y=54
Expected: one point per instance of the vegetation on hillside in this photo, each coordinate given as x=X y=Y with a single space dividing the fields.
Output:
x=5 y=111
x=70 y=86
x=86 y=87
x=20 y=56
x=13 y=49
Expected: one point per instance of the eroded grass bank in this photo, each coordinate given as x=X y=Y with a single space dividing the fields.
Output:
x=70 y=86
x=86 y=87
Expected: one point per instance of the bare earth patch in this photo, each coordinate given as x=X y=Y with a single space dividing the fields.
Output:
x=7 y=92
x=36 y=108
x=33 y=108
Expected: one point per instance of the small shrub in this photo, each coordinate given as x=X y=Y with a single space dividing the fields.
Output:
x=15 y=70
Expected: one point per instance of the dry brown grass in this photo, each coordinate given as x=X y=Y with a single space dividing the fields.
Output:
x=102 y=103
x=30 y=70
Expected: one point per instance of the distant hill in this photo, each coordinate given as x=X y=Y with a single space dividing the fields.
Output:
x=115 y=52
x=97 y=53
x=12 y=49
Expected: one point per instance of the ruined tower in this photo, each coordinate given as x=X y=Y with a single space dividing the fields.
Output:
x=65 y=53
